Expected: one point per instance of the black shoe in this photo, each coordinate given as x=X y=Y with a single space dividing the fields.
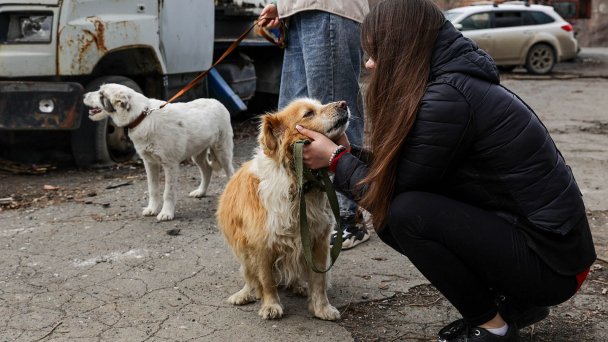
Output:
x=353 y=233
x=482 y=335
x=520 y=318
x=452 y=330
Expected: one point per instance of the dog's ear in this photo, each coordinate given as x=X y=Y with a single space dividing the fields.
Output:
x=123 y=101
x=106 y=103
x=270 y=131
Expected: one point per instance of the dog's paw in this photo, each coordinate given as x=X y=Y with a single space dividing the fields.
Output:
x=242 y=298
x=271 y=311
x=164 y=216
x=197 y=193
x=328 y=313
x=149 y=211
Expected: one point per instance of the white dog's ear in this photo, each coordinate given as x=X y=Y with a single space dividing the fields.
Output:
x=270 y=131
x=123 y=101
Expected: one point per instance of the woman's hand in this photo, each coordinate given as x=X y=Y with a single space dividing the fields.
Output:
x=269 y=17
x=316 y=154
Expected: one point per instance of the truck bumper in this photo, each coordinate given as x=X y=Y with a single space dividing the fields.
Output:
x=40 y=105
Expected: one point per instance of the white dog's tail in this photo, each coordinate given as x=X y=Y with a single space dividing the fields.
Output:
x=212 y=161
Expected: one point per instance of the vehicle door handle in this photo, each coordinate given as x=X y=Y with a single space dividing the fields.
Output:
x=487 y=36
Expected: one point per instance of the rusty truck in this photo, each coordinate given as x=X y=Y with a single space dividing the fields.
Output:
x=53 y=51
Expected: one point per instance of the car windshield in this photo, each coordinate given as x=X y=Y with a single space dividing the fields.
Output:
x=450 y=15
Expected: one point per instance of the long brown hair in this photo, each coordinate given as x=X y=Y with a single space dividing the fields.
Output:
x=398 y=35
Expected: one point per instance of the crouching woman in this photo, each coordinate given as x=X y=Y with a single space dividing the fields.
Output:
x=463 y=177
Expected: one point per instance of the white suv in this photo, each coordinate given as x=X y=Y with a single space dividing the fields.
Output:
x=516 y=33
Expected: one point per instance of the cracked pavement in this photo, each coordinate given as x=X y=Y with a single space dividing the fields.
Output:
x=89 y=267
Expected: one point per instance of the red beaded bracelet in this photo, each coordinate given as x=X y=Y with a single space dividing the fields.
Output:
x=333 y=160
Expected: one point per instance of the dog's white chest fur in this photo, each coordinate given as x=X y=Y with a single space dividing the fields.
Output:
x=275 y=191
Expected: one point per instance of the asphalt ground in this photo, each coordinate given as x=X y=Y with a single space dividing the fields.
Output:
x=79 y=263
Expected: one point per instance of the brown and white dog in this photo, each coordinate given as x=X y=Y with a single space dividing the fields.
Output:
x=258 y=213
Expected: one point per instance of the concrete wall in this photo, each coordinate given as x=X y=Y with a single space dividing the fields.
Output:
x=593 y=32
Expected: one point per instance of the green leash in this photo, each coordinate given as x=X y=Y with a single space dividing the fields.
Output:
x=325 y=184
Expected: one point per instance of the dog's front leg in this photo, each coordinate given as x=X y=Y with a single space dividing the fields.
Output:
x=168 y=210
x=271 y=304
x=318 y=303
x=153 y=175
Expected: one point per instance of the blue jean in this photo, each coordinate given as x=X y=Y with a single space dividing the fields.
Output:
x=323 y=61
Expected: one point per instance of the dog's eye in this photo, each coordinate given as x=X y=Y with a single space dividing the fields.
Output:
x=309 y=113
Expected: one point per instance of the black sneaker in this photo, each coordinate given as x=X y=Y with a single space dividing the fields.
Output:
x=478 y=334
x=520 y=318
x=353 y=234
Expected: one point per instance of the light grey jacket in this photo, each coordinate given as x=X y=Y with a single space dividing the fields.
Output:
x=352 y=9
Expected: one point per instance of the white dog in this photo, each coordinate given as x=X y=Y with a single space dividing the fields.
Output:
x=199 y=129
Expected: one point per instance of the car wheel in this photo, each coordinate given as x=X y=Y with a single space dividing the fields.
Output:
x=540 y=59
x=102 y=143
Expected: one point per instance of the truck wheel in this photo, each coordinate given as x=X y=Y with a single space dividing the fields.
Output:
x=540 y=59
x=102 y=143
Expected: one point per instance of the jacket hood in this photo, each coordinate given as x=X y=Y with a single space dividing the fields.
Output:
x=454 y=53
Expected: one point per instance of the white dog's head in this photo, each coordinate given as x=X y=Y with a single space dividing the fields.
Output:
x=115 y=101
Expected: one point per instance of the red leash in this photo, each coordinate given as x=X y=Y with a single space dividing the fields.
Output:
x=280 y=43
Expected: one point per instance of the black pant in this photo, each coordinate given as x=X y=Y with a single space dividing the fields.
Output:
x=470 y=255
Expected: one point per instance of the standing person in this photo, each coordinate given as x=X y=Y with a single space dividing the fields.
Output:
x=323 y=61
x=463 y=177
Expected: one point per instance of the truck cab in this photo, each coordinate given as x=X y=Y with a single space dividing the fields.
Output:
x=53 y=51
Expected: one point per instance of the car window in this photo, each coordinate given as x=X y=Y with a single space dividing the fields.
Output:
x=536 y=18
x=476 y=21
x=450 y=15
x=507 y=19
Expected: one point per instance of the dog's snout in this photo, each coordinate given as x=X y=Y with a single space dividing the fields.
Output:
x=342 y=104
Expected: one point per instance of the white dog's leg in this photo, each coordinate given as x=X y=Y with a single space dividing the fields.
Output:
x=168 y=210
x=205 y=170
x=318 y=303
x=153 y=175
x=224 y=155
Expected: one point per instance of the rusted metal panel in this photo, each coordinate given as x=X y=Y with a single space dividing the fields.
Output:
x=85 y=37
x=40 y=105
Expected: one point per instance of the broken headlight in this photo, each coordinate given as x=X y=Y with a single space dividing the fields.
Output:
x=32 y=27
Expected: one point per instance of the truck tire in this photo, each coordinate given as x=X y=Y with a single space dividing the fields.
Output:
x=101 y=143
x=540 y=59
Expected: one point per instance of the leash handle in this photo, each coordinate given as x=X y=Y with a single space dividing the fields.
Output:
x=298 y=148
x=280 y=43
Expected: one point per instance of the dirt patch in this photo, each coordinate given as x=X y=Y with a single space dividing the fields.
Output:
x=383 y=320
x=59 y=186
x=585 y=126
x=390 y=319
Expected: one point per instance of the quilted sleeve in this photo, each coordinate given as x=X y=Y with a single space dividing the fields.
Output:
x=436 y=141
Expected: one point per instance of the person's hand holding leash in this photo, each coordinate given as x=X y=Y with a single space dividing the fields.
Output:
x=317 y=154
x=269 y=17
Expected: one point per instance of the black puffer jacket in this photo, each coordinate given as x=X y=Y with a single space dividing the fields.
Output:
x=477 y=142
